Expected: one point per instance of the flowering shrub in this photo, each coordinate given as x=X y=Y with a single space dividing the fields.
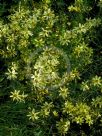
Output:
x=45 y=58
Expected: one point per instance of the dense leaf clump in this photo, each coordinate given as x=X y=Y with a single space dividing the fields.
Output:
x=49 y=67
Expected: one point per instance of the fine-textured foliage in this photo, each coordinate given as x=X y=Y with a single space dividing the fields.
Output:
x=46 y=56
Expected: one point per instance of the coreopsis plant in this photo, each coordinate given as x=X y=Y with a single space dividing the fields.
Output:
x=45 y=59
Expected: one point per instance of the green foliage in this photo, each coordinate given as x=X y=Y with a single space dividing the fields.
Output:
x=45 y=56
